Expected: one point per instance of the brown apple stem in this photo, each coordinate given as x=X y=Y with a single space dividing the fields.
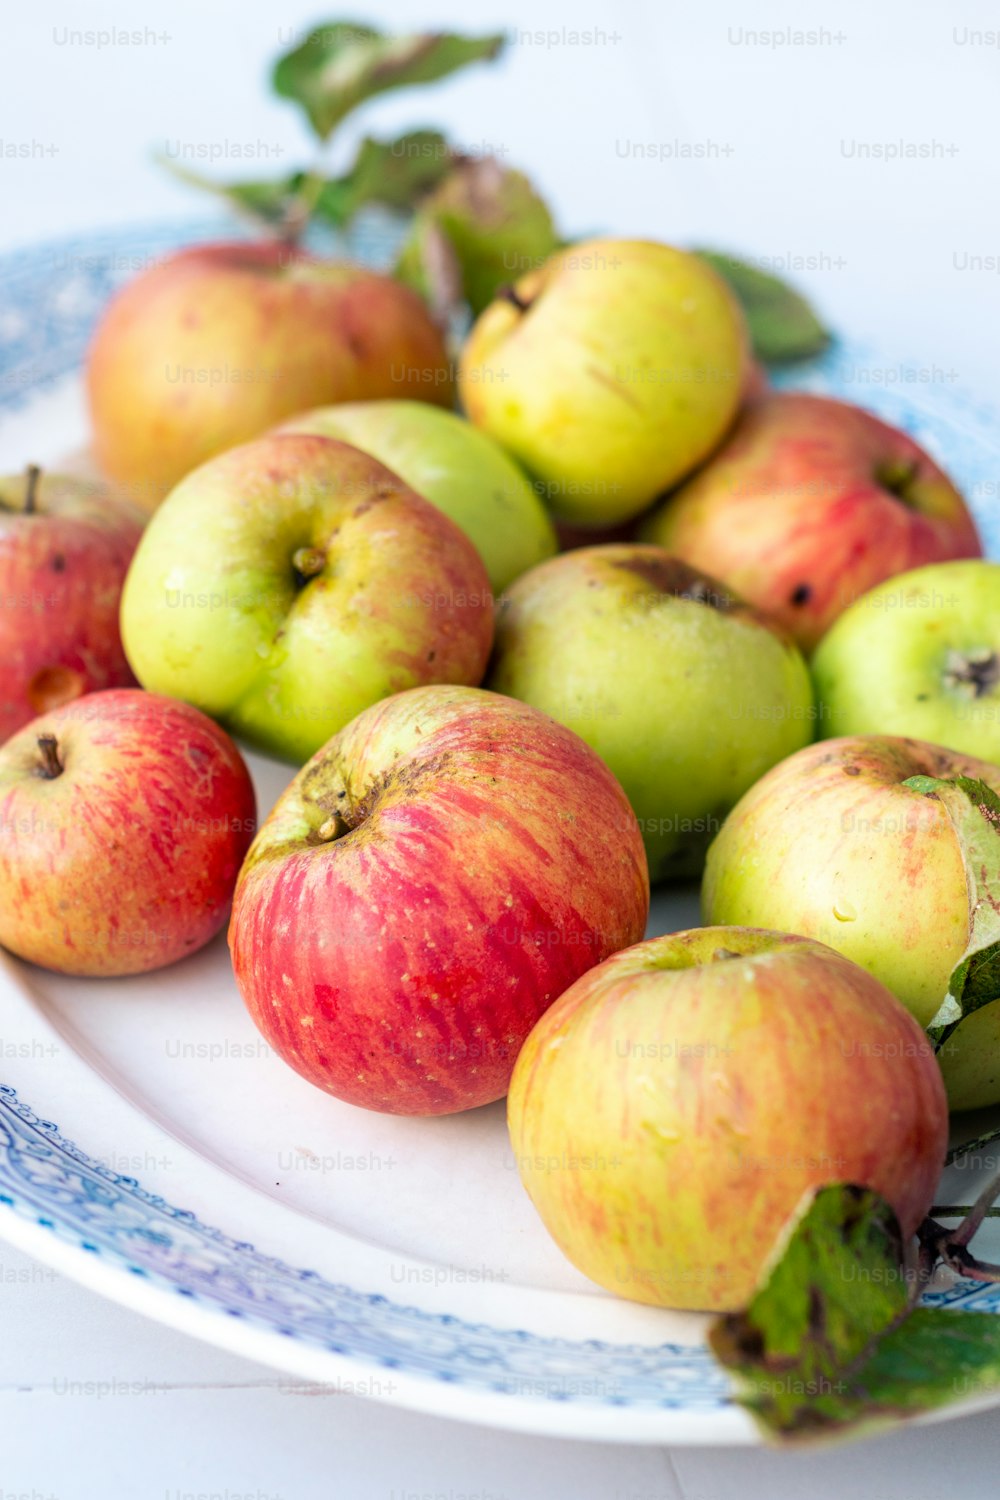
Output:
x=334 y=828
x=959 y=1211
x=951 y=1246
x=32 y=475
x=308 y=561
x=938 y=1244
x=51 y=765
x=974 y=1145
x=977 y=1213
x=509 y=294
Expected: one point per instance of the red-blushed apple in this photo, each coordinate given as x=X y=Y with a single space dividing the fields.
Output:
x=833 y=843
x=219 y=342
x=124 y=819
x=65 y=546
x=288 y=584
x=669 y=1113
x=808 y=504
x=429 y=883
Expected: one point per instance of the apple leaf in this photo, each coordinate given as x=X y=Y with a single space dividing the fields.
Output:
x=832 y=1343
x=782 y=323
x=974 y=809
x=497 y=224
x=396 y=173
x=268 y=203
x=343 y=63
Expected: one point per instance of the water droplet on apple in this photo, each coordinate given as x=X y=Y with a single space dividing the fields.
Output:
x=845 y=912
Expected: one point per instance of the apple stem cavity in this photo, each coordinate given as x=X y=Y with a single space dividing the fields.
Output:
x=335 y=826
x=897 y=476
x=51 y=766
x=974 y=674
x=508 y=293
x=32 y=475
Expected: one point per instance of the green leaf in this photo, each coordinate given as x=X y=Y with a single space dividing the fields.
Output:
x=343 y=63
x=782 y=323
x=829 y=1344
x=498 y=226
x=974 y=809
x=268 y=203
x=396 y=173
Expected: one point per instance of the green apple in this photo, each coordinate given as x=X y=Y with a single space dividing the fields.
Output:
x=454 y=466
x=919 y=655
x=610 y=372
x=669 y=1112
x=970 y=1061
x=833 y=843
x=687 y=693
x=288 y=584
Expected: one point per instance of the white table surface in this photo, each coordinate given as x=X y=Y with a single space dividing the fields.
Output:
x=887 y=247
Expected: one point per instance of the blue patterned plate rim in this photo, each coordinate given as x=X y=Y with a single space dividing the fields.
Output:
x=108 y=1231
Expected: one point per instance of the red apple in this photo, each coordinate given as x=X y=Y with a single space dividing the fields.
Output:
x=65 y=546
x=672 y=1109
x=810 y=503
x=429 y=883
x=220 y=342
x=124 y=819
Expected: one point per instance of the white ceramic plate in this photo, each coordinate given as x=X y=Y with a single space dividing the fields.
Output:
x=154 y=1148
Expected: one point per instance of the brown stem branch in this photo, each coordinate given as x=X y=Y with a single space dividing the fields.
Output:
x=33 y=474
x=51 y=766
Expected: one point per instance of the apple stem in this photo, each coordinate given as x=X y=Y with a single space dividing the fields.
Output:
x=952 y=1246
x=334 y=828
x=975 y=1145
x=308 y=562
x=51 y=766
x=977 y=1213
x=509 y=294
x=959 y=1211
x=32 y=475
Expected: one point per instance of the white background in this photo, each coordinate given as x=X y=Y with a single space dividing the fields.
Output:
x=750 y=147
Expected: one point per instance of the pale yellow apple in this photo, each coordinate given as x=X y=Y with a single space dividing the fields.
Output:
x=611 y=372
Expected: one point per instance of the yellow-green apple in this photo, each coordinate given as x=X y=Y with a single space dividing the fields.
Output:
x=970 y=1061
x=218 y=343
x=686 y=692
x=919 y=655
x=669 y=1113
x=833 y=843
x=808 y=504
x=454 y=466
x=610 y=372
x=124 y=819
x=429 y=883
x=289 y=583
x=65 y=545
